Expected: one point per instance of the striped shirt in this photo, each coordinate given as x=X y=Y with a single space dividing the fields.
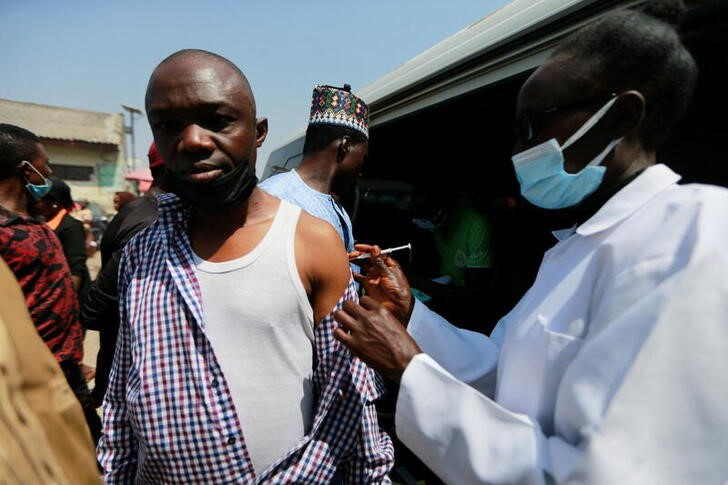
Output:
x=169 y=416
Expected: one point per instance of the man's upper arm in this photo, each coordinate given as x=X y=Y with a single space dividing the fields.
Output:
x=102 y=297
x=73 y=239
x=322 y=259
x=323 y=252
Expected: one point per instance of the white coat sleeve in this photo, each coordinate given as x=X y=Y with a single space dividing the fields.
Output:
x=462 y=435
x=665 y=422
x=470 y=356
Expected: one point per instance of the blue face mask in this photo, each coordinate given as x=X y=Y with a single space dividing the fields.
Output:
x=541 y=175
x=37 y=191
x=425 y=224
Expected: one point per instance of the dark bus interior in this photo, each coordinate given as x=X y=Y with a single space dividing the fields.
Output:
x=464 y=145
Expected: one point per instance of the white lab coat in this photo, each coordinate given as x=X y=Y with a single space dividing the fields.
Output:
x=611 y=369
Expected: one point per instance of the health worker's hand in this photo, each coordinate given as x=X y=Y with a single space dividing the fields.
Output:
x=383 y=280
x=375 y=336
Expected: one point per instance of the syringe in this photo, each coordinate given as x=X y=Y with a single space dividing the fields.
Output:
x=384 y=251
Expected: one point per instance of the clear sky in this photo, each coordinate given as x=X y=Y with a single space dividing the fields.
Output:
x=97 y=55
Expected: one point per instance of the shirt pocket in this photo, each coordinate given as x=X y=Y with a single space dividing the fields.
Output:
x=561 y=339
x=533 y=363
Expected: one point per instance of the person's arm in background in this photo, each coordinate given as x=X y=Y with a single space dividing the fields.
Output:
x=101 y=299
x=73 y=240
x=102 y=296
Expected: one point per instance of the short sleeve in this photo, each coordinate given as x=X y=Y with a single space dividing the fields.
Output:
x=478 y=243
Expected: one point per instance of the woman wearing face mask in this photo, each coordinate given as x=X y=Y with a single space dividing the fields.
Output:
x=34 y=254
x=611 y=367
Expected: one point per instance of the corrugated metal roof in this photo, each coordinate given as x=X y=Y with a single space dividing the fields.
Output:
x=52 y=122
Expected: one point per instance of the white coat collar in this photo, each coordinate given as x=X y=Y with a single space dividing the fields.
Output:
x=627 y=201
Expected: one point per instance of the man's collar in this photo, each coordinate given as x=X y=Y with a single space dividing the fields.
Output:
x=562 y=234
x=8 y=217
x=169 y=203
x=632 y=197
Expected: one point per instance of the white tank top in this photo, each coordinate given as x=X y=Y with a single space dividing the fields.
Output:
x=260 y=324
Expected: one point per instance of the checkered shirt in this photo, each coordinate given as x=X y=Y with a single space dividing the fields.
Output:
x=169 y=415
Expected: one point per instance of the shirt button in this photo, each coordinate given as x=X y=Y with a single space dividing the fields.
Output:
x=231 y=440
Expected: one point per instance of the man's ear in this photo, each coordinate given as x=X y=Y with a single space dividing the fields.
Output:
x=629 y=112
x=343 y=148
x=261 y=131
x=24 y=168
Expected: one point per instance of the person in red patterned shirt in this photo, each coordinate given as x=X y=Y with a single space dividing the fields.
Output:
x=34 y=254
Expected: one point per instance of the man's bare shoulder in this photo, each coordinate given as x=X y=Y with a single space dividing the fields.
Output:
x=317 y=232
x=323 y=263
x=312 y=231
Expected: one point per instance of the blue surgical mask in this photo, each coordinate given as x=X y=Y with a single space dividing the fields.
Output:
x=425 y=224
x=541 y=175
x=37 y=191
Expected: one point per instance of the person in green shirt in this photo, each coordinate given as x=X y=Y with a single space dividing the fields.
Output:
x=462 y=236
x=463 y=241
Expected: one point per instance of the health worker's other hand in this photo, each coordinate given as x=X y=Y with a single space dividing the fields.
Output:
x=375 y=336
x=383 y=279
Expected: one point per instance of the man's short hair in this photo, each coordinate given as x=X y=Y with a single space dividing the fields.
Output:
x=320 y=136
x=203 y=54
x=642 y=50
x=16 y=144
x=60 y=193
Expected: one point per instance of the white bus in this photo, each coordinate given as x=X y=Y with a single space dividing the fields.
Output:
x=445 y=119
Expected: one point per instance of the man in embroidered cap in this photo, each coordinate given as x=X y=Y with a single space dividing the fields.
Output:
x=337 y=140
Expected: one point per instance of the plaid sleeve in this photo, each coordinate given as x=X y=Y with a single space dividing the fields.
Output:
x=374 y=452
x=374 y=456
x=117 y=449
x=349 y=441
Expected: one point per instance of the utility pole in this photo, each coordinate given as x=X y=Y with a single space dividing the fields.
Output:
x=130 y=131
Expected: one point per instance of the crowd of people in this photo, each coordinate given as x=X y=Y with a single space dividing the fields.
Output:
x=239 y=342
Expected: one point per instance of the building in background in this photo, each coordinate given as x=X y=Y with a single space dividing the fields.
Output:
x=86 y=148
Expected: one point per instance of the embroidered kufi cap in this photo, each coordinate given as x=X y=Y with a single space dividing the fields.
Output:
x=338 y=106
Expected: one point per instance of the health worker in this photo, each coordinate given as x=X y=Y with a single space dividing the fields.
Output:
x=611 y=368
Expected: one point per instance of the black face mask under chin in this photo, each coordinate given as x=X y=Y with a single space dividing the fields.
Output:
x=223 y=193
